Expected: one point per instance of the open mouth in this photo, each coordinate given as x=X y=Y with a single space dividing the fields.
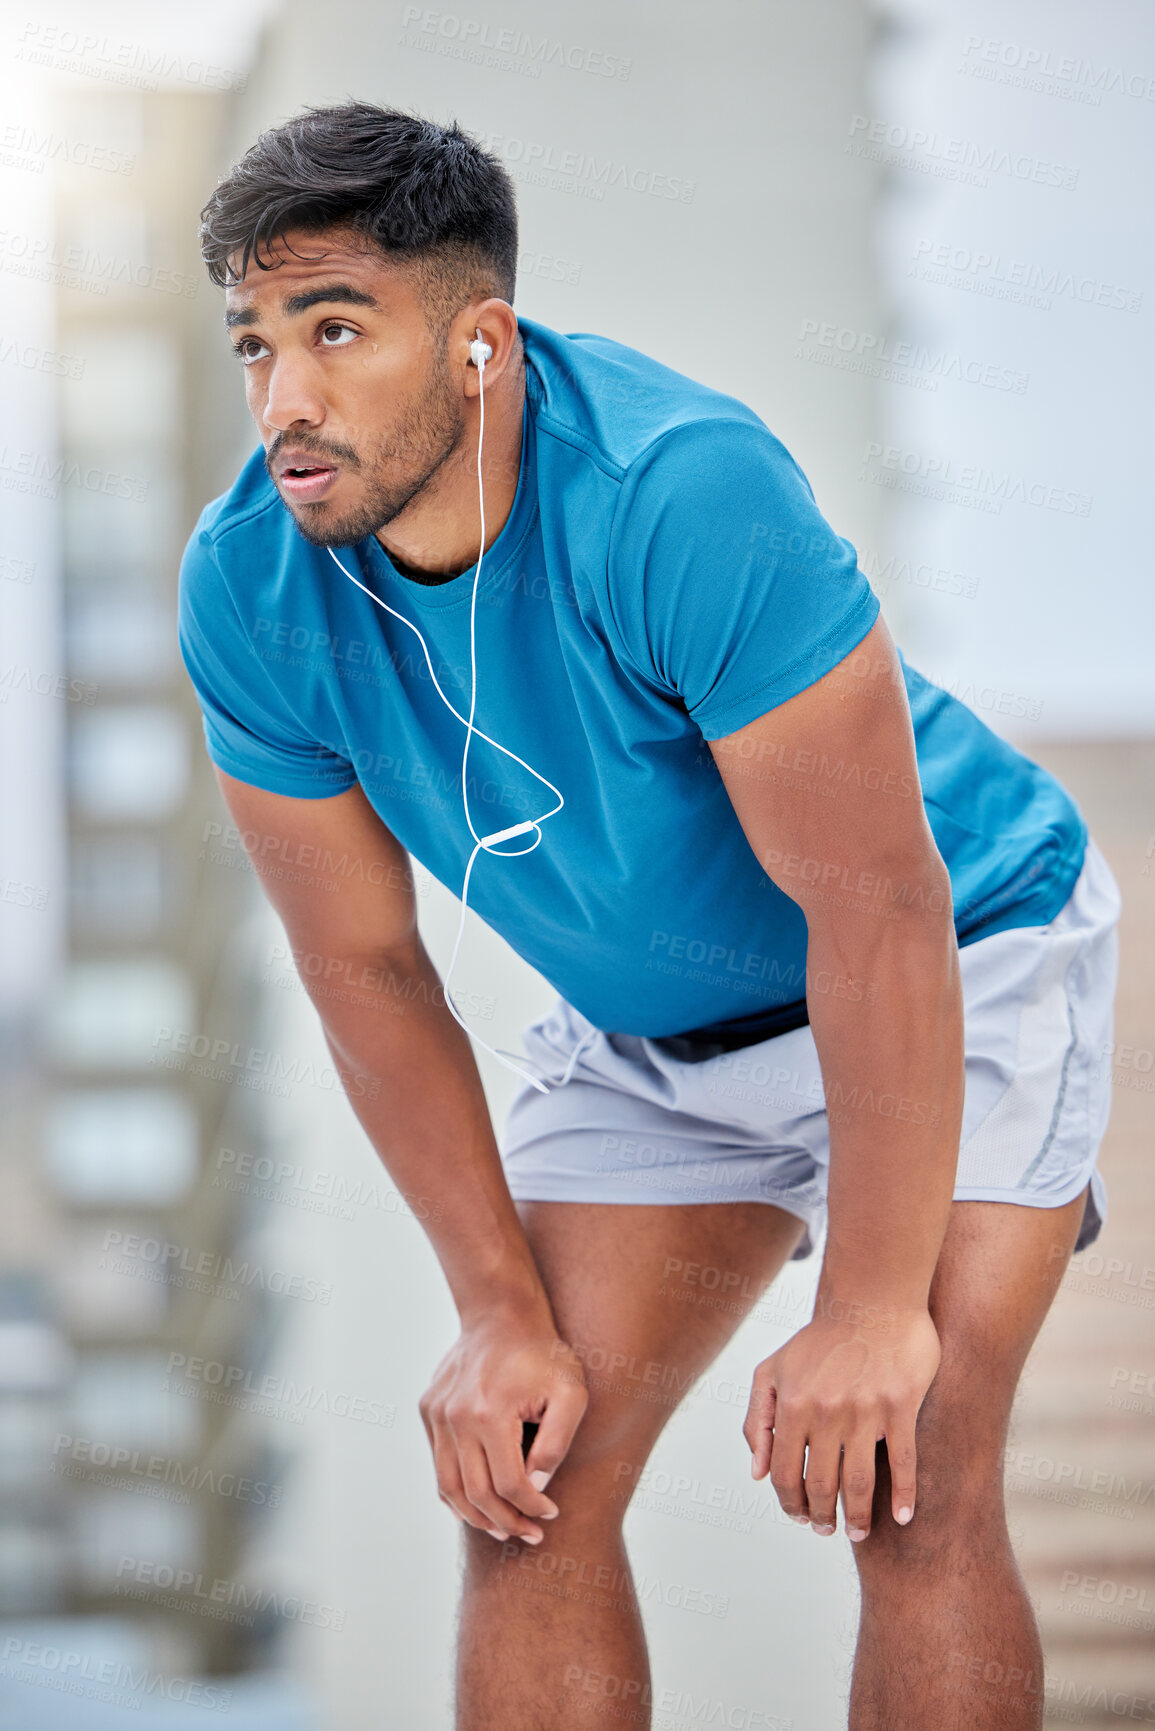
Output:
x=308 y=481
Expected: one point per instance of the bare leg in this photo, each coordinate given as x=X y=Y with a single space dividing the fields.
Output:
x=551 y=1633
x=948 y=1638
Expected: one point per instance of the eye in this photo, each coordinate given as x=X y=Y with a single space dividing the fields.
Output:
x=339 y=335
x=249 y=349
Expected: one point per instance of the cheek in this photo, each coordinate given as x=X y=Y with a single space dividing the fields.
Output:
x=256 y=396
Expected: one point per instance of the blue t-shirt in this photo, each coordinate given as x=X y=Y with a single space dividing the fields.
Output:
x=663 y=578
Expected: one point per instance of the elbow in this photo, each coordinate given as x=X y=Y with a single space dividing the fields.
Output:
x=899 y=899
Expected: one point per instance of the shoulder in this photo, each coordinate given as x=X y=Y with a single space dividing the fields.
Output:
x=631 y=415
x=250 y=511
x=248 y=522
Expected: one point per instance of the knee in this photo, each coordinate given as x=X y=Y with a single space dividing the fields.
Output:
x=606 y=1457
x=959 y=1514
x=592 y=1488
x=581 y=1550
x=595 y=1482
x=936 y=1539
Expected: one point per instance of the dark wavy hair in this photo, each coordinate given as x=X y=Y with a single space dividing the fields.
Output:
x=427 y=195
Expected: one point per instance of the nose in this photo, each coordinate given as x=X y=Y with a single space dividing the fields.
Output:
x=292 y=397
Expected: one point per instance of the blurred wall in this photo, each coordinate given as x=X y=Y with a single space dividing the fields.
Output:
x=1017 y=261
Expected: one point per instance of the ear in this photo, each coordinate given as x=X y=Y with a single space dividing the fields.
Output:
x=489 y=324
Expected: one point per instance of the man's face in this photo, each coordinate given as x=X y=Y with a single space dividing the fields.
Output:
x=356 y=406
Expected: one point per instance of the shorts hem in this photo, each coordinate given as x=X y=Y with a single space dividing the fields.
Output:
x=1027 y=1198
x=542 y=1191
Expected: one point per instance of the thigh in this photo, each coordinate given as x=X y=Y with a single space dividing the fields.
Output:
x=648 y=1295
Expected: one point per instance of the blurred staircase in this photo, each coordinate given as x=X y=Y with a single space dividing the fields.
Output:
x=1081 y=1454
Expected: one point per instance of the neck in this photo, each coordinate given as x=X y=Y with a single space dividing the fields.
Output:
x=438 y=534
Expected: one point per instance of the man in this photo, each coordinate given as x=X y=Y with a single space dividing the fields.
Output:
x=804 y=912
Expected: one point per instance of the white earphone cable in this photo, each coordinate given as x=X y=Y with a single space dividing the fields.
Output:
x=486 y=842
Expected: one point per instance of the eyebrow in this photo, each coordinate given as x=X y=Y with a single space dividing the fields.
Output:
x=341 y=292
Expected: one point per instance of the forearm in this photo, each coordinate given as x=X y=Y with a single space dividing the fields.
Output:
x=892 y=1067
x=415 y=1087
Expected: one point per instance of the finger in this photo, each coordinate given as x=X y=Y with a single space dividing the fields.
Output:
x=786 y=1466
x=759 y=1426
x=449 y=1486
x=820 y=1481
x=902 y=1455
x=509 y=1474
x=555 y=1432
x=489 y=1509
x=858 y=1485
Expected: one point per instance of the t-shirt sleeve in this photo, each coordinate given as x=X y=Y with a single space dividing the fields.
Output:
x=728 y=586
x=250 y=730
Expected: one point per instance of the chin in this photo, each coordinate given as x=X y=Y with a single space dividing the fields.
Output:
x=321 y=528
x=323 y=534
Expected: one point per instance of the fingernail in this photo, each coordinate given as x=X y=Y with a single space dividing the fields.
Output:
x=496 y=1533
x=539 y=1479
x=824 y=1530
x=533 y=1538
x=549 y=1514
x=856 y=1534
x=801 y=1520
x=903 y=1516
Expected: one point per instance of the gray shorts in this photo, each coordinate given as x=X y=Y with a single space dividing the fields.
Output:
x=633 y=1124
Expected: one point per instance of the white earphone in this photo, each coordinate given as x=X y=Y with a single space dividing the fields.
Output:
x=479 y=353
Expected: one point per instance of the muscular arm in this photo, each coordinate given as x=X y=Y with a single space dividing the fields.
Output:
x=885 y=1007
x=422 y=1105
